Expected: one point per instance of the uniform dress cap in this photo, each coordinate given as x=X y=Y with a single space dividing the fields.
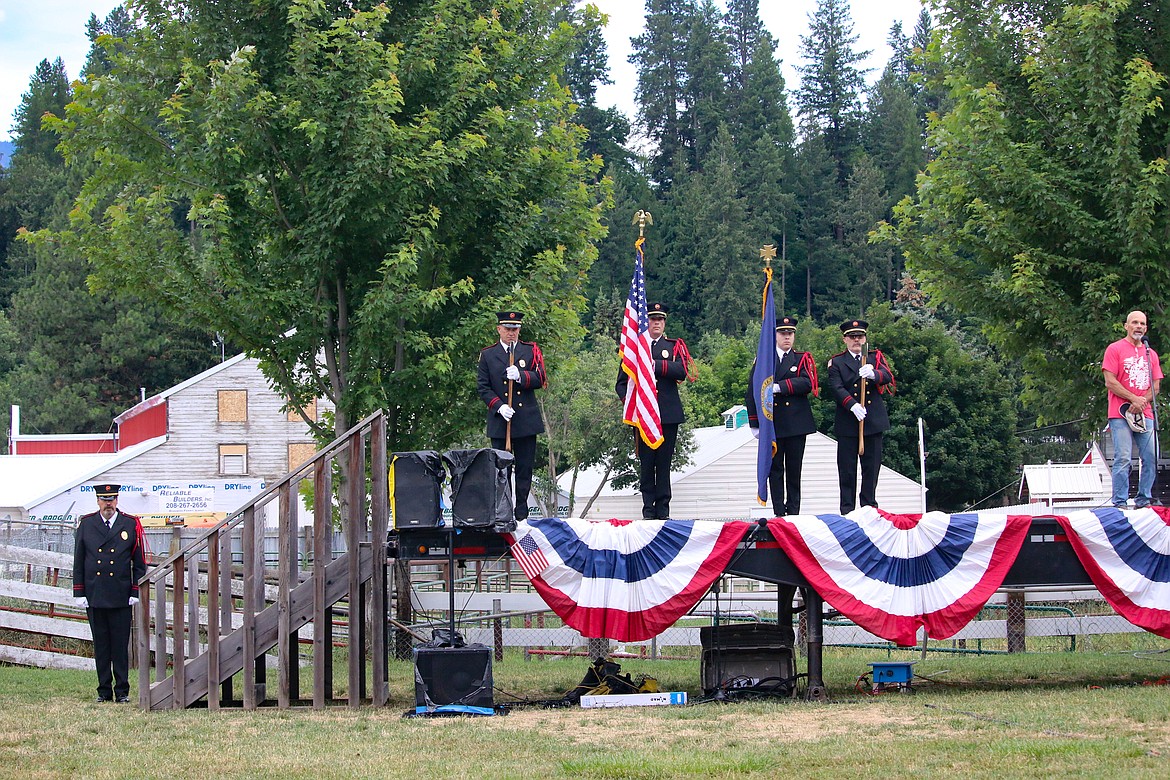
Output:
x=107 y=491
x=510 y=319
x=786 y=323
x=656 y=310
x=852 y=327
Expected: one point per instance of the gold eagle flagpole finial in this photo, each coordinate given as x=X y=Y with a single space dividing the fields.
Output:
x=642 y=218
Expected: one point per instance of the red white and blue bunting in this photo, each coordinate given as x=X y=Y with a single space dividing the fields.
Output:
x=892 y=574
x=1127 y=555
x=620 y=579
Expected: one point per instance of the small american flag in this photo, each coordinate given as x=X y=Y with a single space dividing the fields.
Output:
x=528 y=554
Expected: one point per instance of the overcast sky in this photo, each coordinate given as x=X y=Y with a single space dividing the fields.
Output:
x=33 y=30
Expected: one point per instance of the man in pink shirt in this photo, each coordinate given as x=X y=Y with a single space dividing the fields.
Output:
x=1133 y=377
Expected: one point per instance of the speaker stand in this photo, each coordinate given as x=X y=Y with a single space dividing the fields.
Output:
x=451 y=578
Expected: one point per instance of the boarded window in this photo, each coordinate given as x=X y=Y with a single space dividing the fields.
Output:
x=310 y=412
x=233 y=459
x=299 y=453
x=233 y=405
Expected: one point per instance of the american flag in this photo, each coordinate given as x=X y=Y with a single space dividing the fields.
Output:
x=641 y=408
x=528 y=554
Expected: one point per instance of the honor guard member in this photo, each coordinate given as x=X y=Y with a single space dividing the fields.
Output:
x=849 y=371
x=672 y=364
x=510 y=373
x=108 y=561
x=795 y=378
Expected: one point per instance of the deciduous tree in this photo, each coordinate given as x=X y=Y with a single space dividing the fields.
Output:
x=348 y=191
x=1045 y=210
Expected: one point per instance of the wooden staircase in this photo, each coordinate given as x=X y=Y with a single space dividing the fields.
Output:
x=204 y=640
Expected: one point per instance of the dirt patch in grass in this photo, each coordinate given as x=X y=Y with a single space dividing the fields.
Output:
x=796 y=723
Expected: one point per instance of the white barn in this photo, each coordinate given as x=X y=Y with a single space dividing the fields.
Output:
x=720 y=482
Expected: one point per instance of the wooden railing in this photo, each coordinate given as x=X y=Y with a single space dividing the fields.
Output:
x=242 y=626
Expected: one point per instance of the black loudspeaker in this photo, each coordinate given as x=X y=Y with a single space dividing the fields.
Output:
x=416 y=480
x=453 y=675
x=747 y=655
x=481 y=489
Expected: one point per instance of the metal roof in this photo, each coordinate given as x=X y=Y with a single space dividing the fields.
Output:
x=720 y=482
x=27 y=480
x=1063 y=481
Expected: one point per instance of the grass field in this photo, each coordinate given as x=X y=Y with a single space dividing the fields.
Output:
x=1020 y=716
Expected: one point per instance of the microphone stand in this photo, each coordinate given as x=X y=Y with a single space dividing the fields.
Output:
x=1153 y=405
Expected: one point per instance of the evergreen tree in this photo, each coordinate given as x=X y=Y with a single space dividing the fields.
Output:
x=660 y=54
x=966 y=400
x=925 y=82
x=893 y=134
x=705 y=96
x=872 y=276
x=761 y=126
x=713 y=259
x=85 y=358
x=48 y=93
x=116 y=26
x=767 y=179
x=610 y=273
x=831 y=82
x=822 y=262
x=757 y=103
x=586 y=69
x=34 y=185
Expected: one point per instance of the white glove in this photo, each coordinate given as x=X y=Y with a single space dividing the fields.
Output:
x=866 y=371
x=858 y=411
x=756 y=432
x=81 y=601
x=506 y=412
x=133 y=600
x=776 y=388
x=512 y=373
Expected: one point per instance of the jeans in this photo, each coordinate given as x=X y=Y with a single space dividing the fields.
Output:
x=1123 y=441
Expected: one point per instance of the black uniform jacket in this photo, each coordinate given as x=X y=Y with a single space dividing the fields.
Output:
x=108 y=562
x=846 y=385
x=493 y=389
x=670 y=358
x=796 y=374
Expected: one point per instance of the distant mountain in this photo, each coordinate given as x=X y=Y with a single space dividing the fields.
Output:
x=6 y=148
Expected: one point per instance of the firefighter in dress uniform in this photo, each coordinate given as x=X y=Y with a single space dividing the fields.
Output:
x=795 y=378
x=512 y=364
x=672 y=364
x=108 y=562
x=847 y=371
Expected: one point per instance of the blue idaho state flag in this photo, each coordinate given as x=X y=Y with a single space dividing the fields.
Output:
x=762 y=372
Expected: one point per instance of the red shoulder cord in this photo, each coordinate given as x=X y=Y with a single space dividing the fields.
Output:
x=140 y=533
x=810 y=365
x=684 y=354
x=892 y=387
x=538 y=360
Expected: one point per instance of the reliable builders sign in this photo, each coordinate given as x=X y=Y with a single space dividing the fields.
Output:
x=157 y=503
